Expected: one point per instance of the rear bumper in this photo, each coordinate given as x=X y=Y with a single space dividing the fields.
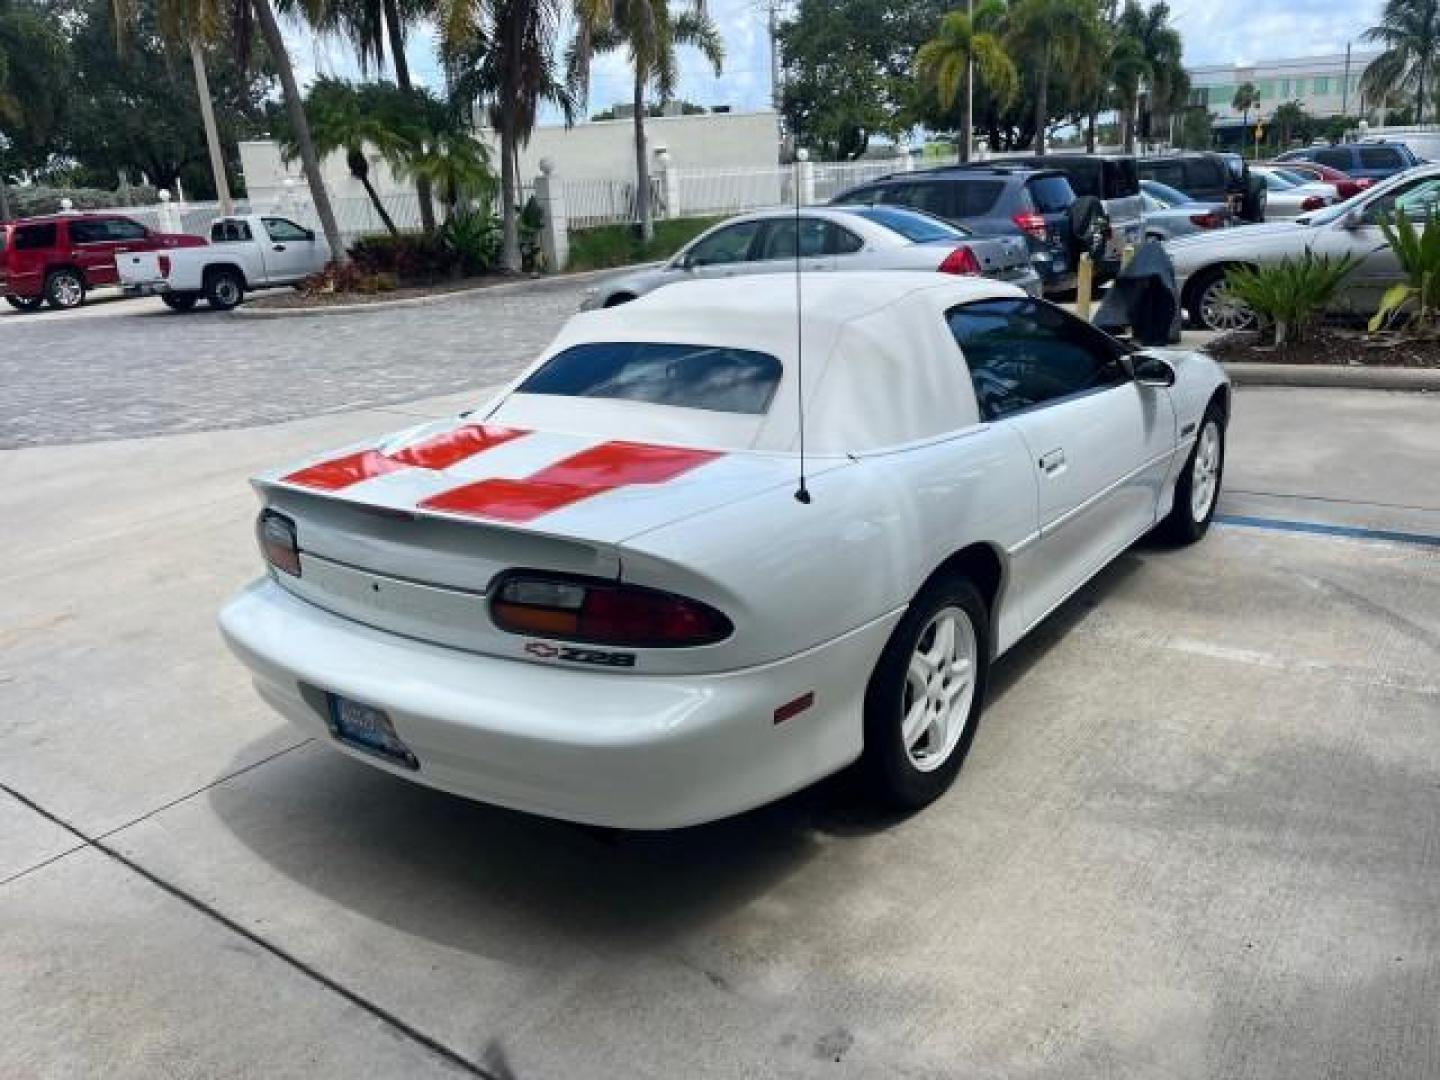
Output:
x=614 y=749
x=145 y=288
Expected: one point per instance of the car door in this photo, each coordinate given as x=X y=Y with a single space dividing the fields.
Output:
x=93 y=250
x=724 y=252
x=1363 y=238
x=775 y=251
x=1101 y=445
x=290 y=251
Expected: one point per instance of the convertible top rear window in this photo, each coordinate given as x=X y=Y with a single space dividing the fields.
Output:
x=708 y=377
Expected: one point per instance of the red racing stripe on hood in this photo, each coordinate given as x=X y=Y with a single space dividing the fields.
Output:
x=591 y=472
x=437 y=452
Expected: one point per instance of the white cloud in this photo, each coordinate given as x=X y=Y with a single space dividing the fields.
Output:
x=1230 y=31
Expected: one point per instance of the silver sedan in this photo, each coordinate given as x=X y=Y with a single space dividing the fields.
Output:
x=1170 y=213
x=830 y=238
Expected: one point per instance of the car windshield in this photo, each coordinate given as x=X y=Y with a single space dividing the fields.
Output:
x=1276 y=182
x=1295 y=177
x=713 y=378
x=915 y=227
x=1164 y=193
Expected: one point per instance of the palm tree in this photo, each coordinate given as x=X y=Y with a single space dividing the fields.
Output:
x=346 y=118
x=1046 y=33
x=181 y=21
x=1410 y=32
x=372 y=26
x=649 y=32
x=944 y=62
x=456 y=164
x=501 y=54
x=1148 y=50
x=34 y=67
x=1244 y=100
x=1286 y=120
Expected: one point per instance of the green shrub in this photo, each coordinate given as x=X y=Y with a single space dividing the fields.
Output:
x=1418 y=252
x=620 y=245
x=410 y=257
x=1287 y=297
x=532 y=220
x=36 y=200
x=474 y=239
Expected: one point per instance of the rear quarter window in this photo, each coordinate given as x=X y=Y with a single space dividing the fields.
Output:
x=1336 y=159
x=35 y=237
x=1381 y=157
x=713 y=378
x=1051 y=194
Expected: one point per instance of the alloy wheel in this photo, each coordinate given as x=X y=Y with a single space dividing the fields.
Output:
x=939 y=689
x=1205 y=476
x=1221 y=309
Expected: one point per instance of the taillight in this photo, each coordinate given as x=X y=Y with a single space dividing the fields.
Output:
x=1348 y=189
x=1031 y=224
x=960 y=261
x=1313 y=202
x=278 y=541
x=164 y=261
x=1208 y=220
x=602 y=612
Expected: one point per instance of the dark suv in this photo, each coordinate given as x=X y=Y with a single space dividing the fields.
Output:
x=1207 y=176
x=60 y=258
x=1002 y=200
x=1363 y=161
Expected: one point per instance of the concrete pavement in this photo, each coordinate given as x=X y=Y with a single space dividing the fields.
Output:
x=1195 y=838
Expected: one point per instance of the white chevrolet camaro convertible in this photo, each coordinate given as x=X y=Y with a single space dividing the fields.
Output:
x=606 y=595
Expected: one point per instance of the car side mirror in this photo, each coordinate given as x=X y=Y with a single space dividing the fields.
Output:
x=310 y=235
x=1151 y=370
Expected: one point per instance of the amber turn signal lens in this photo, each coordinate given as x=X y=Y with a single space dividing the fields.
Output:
x=278 y=542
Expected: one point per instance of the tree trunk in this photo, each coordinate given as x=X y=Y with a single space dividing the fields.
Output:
x=395 y=31
x=642 y=164
x=212 y=136
x=510 y=251
x=967 y=123
x=379 y=206
x=1091 y=121
x=1042 y=103
x=4 y=198
x=295 y=106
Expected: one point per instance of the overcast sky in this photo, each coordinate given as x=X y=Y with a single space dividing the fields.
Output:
x=1215 y=31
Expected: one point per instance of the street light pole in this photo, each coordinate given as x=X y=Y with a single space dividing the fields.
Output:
x=969 y=132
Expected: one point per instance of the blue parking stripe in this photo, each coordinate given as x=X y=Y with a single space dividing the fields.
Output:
x=1282 y=525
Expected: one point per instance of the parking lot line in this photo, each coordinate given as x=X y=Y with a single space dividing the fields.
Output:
x=1352 y=531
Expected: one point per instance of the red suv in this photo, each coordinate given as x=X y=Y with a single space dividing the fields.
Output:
x=59 y=258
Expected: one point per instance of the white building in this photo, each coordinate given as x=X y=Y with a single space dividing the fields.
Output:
x=1323 y=85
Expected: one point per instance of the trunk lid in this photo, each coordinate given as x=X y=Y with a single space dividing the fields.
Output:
x=406 y=534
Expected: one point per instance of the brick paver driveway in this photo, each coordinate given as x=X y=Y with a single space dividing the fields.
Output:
x=132 y=368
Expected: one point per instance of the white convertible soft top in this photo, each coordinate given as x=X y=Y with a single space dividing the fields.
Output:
x=881 y=368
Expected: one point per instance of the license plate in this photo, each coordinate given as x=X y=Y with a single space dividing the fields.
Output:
x=368 y=728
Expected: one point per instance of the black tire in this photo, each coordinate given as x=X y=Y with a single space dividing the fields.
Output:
x=1183 y=525
x=892 y=774
x=1203 y=313
x=65 y=289
x=224 y=289
x=618 y=299
x=25 y=303
x=179 y=301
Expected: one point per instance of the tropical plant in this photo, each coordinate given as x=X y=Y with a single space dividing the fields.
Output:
x=473 y=237
x=456 y=164
x=944 y=63
x=1287 y=296
x=1046 y=35
x=1409 y=30
x=347 y=118
x=1287 y=120
x=1147 y=51
x=532 y=222
x=649 y=32
x=1245 y=99
x=501 y=55
x=1418 y=252
x=184 y=21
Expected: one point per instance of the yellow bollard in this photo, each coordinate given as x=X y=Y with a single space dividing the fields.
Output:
x=1084 y=286
x=1127 y=255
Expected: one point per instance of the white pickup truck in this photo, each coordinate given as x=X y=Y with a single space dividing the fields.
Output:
x=251 y=251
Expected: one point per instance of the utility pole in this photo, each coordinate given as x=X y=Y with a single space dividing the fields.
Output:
x=968 y=135
x=1345 y=86
x=212 y=136
x=775 y=88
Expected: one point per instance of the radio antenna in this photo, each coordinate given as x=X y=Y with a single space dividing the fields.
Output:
x=802 y=493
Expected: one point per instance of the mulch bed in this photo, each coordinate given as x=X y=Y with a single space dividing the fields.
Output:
x=1342 y=348
x=289 y=298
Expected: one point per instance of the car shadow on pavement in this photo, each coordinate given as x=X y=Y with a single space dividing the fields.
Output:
x=469 y=875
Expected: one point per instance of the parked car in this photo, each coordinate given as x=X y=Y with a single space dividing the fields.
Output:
x=253 y=251
x=1170 y=213
x=1115 y=181
x=1002 y=200
x=62 y=257
x=831 y=238
x=1207 y=176
x=1362 y=161
x=607 y=596
x=1350 y=227
x=1346 y=186
x=1288 y=199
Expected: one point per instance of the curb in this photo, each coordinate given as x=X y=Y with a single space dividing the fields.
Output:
x=540 y=282
x=1334 y=376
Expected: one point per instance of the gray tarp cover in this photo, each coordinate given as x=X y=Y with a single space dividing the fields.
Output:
x=1144 y=298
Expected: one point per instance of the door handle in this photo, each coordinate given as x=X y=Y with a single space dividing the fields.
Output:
x=1053 y=463
x=278 y=247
